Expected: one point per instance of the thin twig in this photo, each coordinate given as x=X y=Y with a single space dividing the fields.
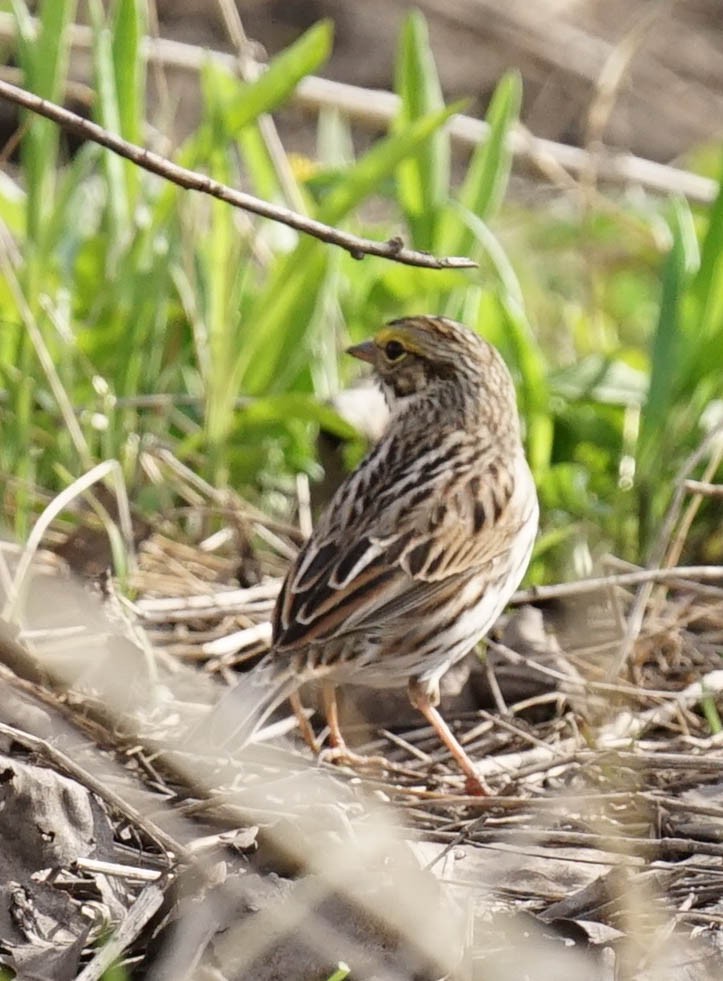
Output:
x=115 y=869
x=683 y=574
x=703 y=487
x=499 y=698
x=193 y=181
x=144 y=907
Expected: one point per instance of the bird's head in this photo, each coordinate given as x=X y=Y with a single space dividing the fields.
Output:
x=425 y=355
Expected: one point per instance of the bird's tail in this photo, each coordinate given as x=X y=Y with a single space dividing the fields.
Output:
x=242 y=710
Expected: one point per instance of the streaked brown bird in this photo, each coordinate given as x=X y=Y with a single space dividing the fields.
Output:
x=422 y=545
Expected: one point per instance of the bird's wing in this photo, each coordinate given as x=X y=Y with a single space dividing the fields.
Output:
x=392 y=562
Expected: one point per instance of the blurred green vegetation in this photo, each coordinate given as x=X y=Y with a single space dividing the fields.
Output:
x=115 y=285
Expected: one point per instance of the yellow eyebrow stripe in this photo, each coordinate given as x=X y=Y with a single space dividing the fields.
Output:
x=405 y=336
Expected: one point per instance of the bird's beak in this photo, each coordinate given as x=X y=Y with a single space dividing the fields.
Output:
x=366 y=351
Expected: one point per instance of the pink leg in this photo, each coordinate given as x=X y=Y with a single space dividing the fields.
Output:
x=339 y=752
x=421 y=700
x=305 y=727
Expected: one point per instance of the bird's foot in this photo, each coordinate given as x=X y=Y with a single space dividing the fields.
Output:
x=474 y=786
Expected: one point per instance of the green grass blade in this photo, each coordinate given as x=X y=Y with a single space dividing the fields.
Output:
x=482 y=240
x=108 y=114
x=13 y=205
x=50 y=47
x=661 y=410
x=486 y=179
x=245 y=102
x=703 y=360
x=666 y=347
x=43 y=59
x=261 y=172
x=422 y=179
x=215 y=254
x=380 y=162
x=130 y=80
x=274 y=349
x=712 y=716
x=707 y=289
x=128 y=67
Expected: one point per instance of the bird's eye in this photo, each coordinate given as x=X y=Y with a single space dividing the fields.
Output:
x=394 y=350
